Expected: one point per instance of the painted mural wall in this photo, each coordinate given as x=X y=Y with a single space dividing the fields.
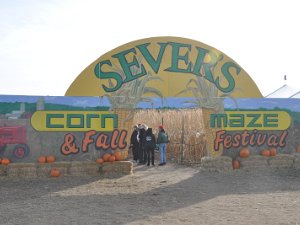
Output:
x=161 y=73
x=85 y=128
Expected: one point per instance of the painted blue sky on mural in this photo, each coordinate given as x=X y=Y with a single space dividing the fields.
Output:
x=239 y=103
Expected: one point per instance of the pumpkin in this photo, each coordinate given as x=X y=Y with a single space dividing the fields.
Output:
x=118 y=155
x=265 y=152
x=273 y=152
x=50 y=159
x=99 y=161
x=236 y=164
x=244 y=152
x=54 y=172
x=298 y=149
x=106 y=157
x=112 y=158
x=5 y=161
x=42 y=159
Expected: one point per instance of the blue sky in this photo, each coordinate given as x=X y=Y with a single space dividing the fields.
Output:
x=44 y=45
x=242 y=103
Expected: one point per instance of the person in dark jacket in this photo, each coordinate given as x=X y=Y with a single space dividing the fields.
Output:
x=134 y=144
x=149 y=144
x=141 y=134
x=162 y=140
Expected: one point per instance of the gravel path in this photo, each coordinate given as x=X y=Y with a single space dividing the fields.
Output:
x=168 y=194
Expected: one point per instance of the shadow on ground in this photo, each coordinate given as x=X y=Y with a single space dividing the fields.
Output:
x=38 y=201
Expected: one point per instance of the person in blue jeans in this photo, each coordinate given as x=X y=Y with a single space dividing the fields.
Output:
x=162 y=140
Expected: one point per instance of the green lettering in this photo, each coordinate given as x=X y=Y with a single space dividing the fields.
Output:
x=89 y=118
x=70 y=117
x=155 y=64
x=108 y=75
x=53 y=116
x=176 y=57
x=126 y=66
x=109 y=116
x=252 y=122
x=236 y=120
x=225 y=71
x=219 y=119
x=270 y=120
x=206 y=66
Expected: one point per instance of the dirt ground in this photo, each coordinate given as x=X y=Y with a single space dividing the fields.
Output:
x=170 y=194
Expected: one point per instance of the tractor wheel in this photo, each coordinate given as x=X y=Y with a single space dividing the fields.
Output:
x=21 y=151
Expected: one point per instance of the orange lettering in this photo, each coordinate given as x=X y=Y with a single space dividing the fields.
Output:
x=114 y=137
x=122 y=140
x=101 y=142
x=87 y=140
x=69 y=145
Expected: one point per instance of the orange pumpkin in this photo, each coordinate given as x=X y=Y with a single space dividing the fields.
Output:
x=54 y=172
x=50 y=159
x=112 y=158
x=298 y=149
x=5 y=161
x=265 y=152
x=99 y=161
x=118 y=155
x=236 y=164
x=42 y=159
x=273 y=152
x=244 y=152
x=106 y=157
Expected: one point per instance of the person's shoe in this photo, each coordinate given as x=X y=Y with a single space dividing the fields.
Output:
x=148 y=164
x=164 y=163
x=161 y=164
x=153 y=164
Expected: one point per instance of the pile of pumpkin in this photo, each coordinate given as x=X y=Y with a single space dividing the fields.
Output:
x=46 y=159
x=54 y=172
x=245 y=152
x=110 y=157
x=4 y=161
x=107 y=157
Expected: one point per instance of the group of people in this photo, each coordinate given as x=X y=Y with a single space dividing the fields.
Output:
x=143 y=143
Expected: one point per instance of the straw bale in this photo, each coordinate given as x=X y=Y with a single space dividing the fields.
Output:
x=216 y=164
x=281 y=161
x=253 y=162
x=21 y=170
x=117 y=167
x=78 y=168
x=296 y=164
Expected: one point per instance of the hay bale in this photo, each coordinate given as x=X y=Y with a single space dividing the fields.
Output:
x=296 y=164
x=117 y=167
x=253 y=162
x=43 y=169
x=216 y=164
x=62 y=166
x=3 y=170
x=21 y=170
x=281 y=161
x=78 y=168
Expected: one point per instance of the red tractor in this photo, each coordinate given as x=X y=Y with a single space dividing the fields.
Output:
x=14 y=135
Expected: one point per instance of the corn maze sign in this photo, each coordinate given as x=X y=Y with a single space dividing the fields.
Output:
x=85 y=130
x=154 y=73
